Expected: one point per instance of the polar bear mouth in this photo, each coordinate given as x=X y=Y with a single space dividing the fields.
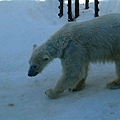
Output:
x=32 y=74
x=32 y=71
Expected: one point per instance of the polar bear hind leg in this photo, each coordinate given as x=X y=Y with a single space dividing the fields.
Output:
x=116 y=83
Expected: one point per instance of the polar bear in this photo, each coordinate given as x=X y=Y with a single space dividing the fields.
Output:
x=77 y=45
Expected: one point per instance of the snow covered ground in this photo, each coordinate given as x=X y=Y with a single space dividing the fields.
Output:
x=23 y=23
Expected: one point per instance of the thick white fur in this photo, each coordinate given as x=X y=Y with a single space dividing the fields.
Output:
x=78 y=44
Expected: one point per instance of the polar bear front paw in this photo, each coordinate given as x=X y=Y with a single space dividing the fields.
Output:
x=51 y=94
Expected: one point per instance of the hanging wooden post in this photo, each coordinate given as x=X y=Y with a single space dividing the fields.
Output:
x=76 y=8
x=70 y=11
x=96 y=2
x=70 y=17
x=86 y=4
x=61 y=8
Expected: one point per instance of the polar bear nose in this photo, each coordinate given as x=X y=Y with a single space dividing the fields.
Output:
x=32 y=71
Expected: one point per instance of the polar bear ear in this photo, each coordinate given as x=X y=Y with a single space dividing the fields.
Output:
x=46 y=57
x=34 y=46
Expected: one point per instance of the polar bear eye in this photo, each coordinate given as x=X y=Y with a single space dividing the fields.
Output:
x=35 y=66
x=46 y=59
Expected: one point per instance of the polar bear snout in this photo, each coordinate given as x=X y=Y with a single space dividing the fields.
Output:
x=32 y=71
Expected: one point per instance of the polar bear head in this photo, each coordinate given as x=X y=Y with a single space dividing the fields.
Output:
x=39 y=59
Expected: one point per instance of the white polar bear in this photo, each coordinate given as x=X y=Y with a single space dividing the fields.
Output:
x=77 y=45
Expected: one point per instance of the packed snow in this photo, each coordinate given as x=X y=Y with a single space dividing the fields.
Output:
x=24 y=23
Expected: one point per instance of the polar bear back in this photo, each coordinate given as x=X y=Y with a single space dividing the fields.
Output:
x=98 y=39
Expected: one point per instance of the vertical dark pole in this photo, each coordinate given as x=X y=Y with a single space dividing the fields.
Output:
x=76 y=8
x=86 y=4
x=61 y=8
x=70 y=11
x=96 y=2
